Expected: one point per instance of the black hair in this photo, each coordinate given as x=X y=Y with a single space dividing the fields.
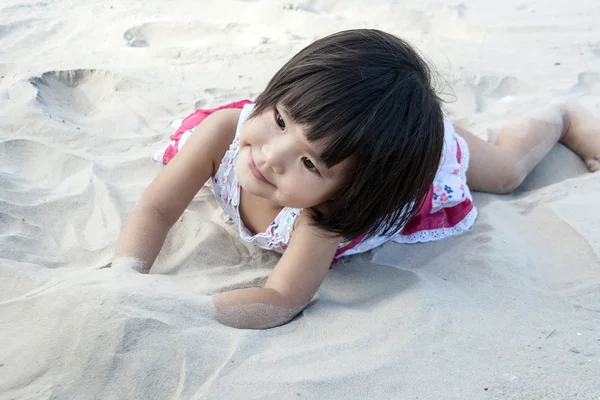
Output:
x=368 y=95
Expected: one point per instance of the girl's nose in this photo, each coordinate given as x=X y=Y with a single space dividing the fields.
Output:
x=275 y=156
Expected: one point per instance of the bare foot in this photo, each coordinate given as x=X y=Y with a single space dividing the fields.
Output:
x=582 y=135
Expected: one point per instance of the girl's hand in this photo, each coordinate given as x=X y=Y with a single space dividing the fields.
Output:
x=291 y=286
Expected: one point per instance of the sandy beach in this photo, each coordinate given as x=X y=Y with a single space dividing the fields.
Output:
x=89 y=91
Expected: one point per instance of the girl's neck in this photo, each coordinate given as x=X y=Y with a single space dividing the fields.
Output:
x=257 y=213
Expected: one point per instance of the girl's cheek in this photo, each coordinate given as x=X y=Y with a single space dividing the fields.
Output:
x=245 y=132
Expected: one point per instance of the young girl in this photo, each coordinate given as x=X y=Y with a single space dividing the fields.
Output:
x=346 y=149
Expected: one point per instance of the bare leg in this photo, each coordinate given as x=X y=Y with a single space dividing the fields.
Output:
x=583 y=136
x=520 y=146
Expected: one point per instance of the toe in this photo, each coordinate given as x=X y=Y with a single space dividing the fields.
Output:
x=593 y=164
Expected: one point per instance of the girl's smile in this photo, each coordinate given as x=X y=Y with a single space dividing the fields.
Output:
x=254 y=169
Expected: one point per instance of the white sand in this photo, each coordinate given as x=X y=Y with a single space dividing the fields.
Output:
x=87 y=95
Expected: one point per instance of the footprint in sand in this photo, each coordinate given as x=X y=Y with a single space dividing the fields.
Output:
x=184 y=34
x=484 y=93
x=101 y=102
x=133 y=38
x=587 y=83
x=510 y=86
x=199 y=43
x=202 y=34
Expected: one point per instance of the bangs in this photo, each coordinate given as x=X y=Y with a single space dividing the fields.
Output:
x=337 y=119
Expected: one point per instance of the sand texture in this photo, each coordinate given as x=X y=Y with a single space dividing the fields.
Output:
x=88 y=92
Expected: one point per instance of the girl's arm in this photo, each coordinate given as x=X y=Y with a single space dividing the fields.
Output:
x=171 y=192
x=293 y=283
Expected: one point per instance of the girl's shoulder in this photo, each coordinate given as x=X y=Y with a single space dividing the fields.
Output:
x=223 y=120
x=220 y=128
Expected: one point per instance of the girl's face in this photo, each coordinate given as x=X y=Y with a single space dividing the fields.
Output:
x=278 y=163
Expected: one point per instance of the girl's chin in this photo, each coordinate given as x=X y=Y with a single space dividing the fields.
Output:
x=249 y=185
x=244 y=185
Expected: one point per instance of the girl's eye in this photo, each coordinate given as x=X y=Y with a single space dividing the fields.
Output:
x=309 y=165
x=279 y=120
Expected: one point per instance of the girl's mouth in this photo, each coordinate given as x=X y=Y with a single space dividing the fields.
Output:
x=254 y=169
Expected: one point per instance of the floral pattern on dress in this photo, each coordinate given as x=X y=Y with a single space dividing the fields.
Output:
x=441 y=194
